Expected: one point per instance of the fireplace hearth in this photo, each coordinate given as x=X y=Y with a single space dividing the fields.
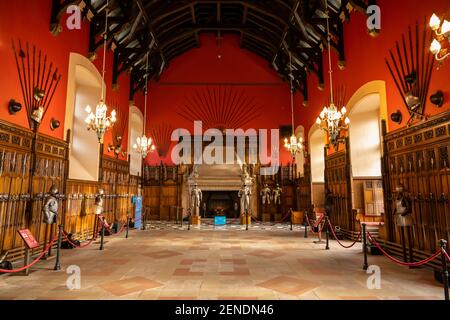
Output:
x=220 y=203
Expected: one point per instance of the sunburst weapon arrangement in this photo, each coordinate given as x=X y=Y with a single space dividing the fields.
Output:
x=220 y=108
x=162 y=135
x=38 y=82
x=411 y=66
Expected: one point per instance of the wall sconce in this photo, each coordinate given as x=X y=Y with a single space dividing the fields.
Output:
x=14 y=107
x=397 y=117
x=441 y=28
x=437 y=99
x=54 y=124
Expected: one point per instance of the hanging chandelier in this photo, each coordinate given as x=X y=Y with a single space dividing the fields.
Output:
x=98 y=120
x=145 y=144
x=293 y=145
x=442 y=32
x=331 y=119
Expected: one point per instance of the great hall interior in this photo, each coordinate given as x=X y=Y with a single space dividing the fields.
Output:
x=224 y=150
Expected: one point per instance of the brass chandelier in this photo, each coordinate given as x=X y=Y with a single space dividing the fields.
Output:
x=145 y=144
x=332 y=120
x=442 y=32
x=293 y=145
x=99 y=121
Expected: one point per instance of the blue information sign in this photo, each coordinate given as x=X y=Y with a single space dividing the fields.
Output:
x=137 y=201
x=220 y=220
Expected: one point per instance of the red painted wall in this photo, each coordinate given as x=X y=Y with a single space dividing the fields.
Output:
x=365 y=58
x=28 y=20
x=201 y=69
x=194 y=71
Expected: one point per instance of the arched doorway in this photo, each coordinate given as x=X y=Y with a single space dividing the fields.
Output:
x=83 y=88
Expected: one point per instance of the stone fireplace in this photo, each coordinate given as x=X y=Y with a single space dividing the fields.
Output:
x=219 y=181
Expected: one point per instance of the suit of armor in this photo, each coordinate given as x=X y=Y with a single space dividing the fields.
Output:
x=196 y=200
x=277 y=195
x=266 y=195
x=245 y=194
x=402 y=210
x=50 y=207
x=98 y=204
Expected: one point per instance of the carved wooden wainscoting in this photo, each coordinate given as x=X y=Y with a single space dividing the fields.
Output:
x=161 y=191
x=152 y=177
x=115 y=183
x=21 y=201
x=51 y=163
x=304 y=196
x=15 y=144
x=80 y=216
x=286 y=179
x=338 y=181
x=418 y=158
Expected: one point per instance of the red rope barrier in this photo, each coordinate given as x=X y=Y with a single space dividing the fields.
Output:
x=446 y=255
x=78 y=246
x=284 y=218
x=316 y=225
x=279 y=221
x=335 y=237
x=409 y=264
x=35 y=260
x=120 y=230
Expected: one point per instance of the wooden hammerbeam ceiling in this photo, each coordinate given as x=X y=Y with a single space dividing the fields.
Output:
x=273 y=29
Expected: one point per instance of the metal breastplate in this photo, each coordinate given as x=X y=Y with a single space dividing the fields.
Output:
x=50 y=210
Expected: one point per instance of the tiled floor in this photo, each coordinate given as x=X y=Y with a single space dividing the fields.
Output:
x=267 y=262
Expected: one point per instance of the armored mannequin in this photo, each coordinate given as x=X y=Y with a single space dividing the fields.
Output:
x=196 y=200
x=50 y=207
x=266 y=195
x=98 y=204
x=402 y=209
x=245 y=194
x=277 y=195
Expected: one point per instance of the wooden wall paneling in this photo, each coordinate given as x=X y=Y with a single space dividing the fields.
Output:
x=80 y=214
x=50 y=160
x=15 y=148
x=152 y=186
x=304 y=187
x=22 y=208
x=21 y=199
x=338 y=179
x=417 y=158
x=151 y=200
x=115 y=181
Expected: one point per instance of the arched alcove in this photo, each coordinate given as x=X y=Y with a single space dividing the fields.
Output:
x=135 y=130
x=367 y=108
x=83 y=88
x=365 y=137
x=316 y=150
